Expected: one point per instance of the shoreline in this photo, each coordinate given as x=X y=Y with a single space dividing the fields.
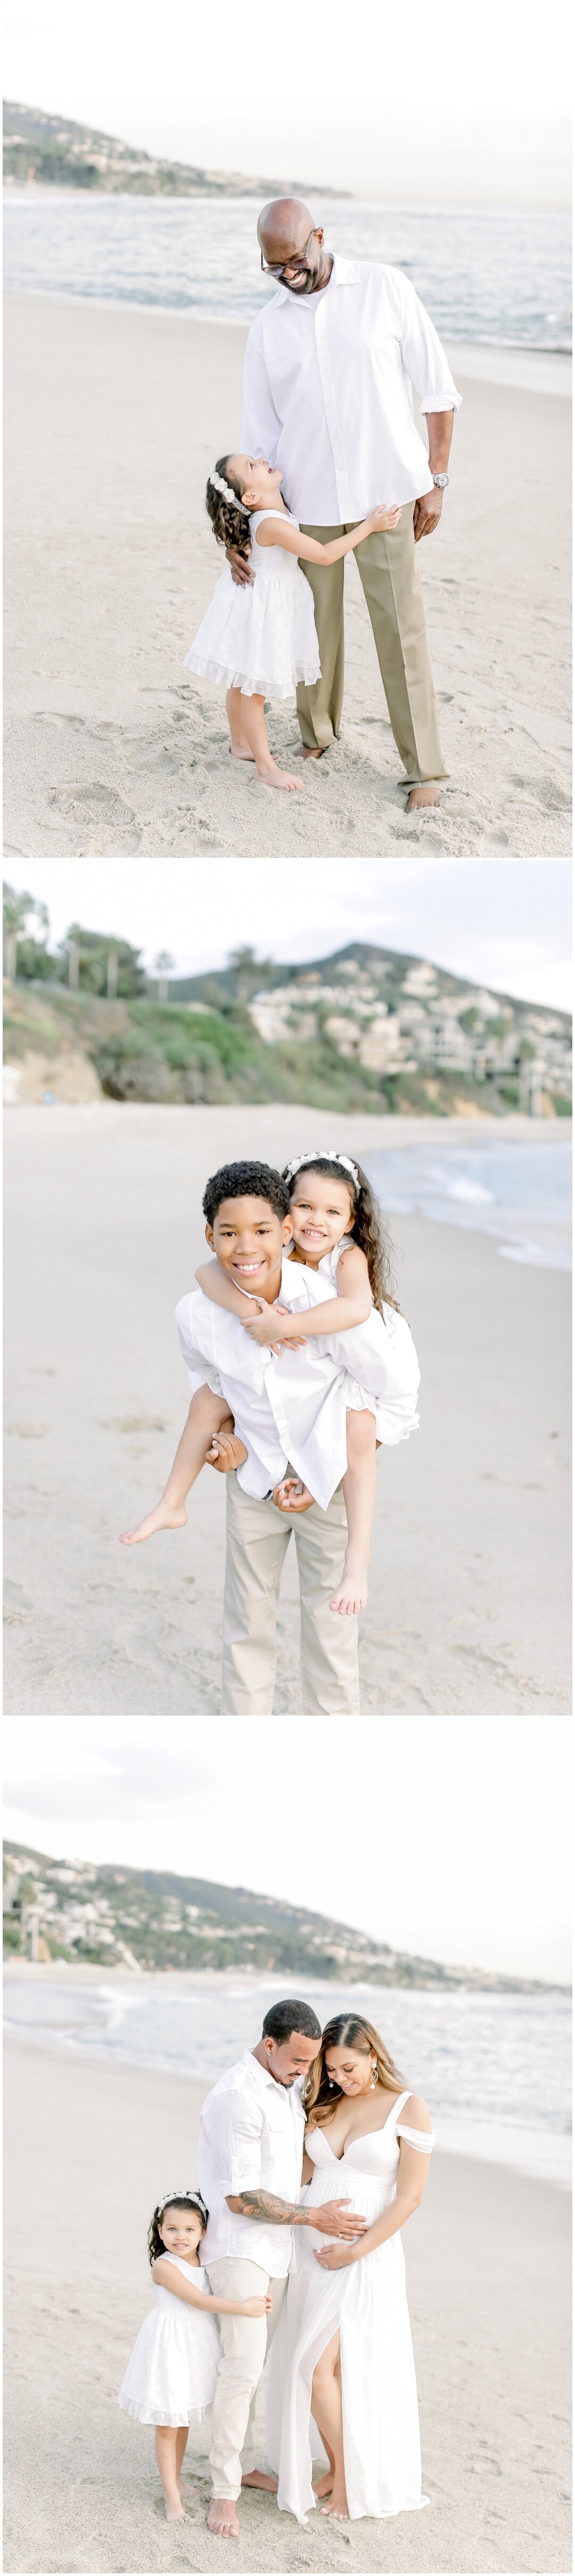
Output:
x=488 y=2296
x=521 y=363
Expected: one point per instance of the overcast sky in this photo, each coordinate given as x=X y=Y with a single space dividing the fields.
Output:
x=450 y=1839
x=503 y=922
x=389 y=107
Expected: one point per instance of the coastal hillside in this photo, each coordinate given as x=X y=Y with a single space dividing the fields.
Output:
x=55 y=152
x=151 y=1919
x=364 y=1029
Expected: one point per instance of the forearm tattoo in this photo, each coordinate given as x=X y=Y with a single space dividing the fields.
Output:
x=263 y=2204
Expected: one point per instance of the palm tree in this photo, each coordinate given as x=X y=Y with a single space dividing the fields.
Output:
x=163 y=963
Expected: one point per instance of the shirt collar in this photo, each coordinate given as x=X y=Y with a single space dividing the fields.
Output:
x=259 y=2072
x=344 y=273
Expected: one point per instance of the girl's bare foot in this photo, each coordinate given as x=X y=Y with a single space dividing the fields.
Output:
x=274 y=777
x=185 y=2487
x=324 y=2485
x=166 y=1516
x=223 y=2518
x=338 y=2506
x=174 y=2509
x=351 y=1593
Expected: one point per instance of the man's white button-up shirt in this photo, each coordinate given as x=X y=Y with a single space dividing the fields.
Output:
x=250 y=2139
x=291 y=1410
x=327 y=392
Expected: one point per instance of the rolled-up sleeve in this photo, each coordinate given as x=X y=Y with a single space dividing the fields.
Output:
x=260 y=429
x=424 y=359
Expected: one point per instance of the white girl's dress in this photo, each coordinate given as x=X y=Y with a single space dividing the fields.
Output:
x=367 y=2303
x=382 y=1352
x=262 y=638
x=172 y=2372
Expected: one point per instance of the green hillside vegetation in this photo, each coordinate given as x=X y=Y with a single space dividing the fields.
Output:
x=153 y=1919
x=56 y=152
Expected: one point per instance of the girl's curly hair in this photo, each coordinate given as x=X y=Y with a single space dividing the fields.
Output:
x=174 y=2200
x=231 y=527
x=368 y=1225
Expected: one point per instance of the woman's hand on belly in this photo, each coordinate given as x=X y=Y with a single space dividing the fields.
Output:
x=334 y=2258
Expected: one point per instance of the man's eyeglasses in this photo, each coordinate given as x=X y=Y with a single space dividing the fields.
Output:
x=277 y=267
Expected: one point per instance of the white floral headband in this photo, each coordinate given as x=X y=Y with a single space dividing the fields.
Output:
x=308 y=1160
x=218 y=485
x=181 y=2200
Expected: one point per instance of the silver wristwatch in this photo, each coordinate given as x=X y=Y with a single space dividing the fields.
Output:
x=441 y=480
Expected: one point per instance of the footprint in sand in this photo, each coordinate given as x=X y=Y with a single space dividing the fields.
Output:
x=28 y=1430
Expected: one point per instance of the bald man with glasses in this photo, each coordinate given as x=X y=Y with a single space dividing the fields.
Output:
x=327 y=396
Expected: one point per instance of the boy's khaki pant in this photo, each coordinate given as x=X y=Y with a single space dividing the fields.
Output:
x=257 y=1539
x=244 y=2341
x=389 y=571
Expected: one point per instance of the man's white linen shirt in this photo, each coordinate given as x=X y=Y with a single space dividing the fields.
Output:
x=291 y=1410
x=327 y=392
x=250 y=2139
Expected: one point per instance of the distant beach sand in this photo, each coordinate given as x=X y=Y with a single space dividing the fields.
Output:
x=470 y=1572
x=114 y=415
x=88 y=2147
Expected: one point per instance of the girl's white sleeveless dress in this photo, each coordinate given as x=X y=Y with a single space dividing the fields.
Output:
x=172 y=2371
x=382 y=1352
x=262 y=638
x=366 y=2302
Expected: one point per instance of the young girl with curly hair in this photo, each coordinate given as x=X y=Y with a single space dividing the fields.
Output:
x=258 y=641
x=172 y=2371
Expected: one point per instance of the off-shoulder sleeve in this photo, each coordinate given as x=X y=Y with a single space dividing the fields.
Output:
x=422 y=2138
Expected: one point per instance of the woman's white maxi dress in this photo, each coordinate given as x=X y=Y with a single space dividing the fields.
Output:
x=260 y=638
x=172 y=2371
x=367 y=2303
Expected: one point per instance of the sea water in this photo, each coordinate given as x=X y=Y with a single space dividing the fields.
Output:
x=518 y=1191
x=495 y=2068
x=493 y=274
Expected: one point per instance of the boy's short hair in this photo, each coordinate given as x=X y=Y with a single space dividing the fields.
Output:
x=245 y=1181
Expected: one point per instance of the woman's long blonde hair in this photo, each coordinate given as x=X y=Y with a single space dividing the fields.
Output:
x=347 y=2030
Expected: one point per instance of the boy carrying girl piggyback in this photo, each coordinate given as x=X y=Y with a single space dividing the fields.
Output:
x=300 y=1365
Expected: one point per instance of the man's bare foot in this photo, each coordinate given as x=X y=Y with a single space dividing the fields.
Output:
x=338 y=2506
x=290 y=1496
x=274 y=777
x=174 y=2509
x=422 y=796
x=257 y=2478
x=351 y=1593
x=239 y=751
x=223 y=2518
x=324 y=2485
x=304 y=752
x=164 y=1517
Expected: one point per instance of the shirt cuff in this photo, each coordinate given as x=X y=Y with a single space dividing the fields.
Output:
x=446 y=402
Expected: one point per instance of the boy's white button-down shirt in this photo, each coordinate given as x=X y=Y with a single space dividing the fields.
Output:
x=250 y=2139
x=327 y=392
x=291 y=1410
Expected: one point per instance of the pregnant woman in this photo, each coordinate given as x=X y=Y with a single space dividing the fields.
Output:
x=343 y=2350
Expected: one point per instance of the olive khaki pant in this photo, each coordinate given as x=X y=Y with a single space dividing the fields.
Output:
x=389 y=573
x=245 y=2342
x=258 y=1537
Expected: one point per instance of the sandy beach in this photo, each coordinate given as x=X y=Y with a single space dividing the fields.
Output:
x=113 y=417
x=470 y=1568
x=87 y=2148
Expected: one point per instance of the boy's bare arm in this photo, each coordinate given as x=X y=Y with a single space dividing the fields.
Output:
x=216 y=1285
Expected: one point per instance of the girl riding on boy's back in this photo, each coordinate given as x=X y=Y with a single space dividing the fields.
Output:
x=257 y=642
x=334 y=1228
x=172 y=2371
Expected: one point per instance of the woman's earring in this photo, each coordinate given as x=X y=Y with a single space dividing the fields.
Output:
x=373 y=2074
x=330 y=2082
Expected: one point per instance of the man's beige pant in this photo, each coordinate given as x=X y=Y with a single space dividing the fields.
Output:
x=257 y=1539
x=245 y=2341
x=389 y=571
